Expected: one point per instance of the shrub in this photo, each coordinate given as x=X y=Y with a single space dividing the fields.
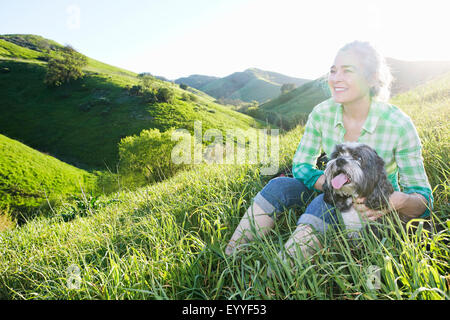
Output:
x=146 y=81
x=286 y=87
x=189 y=97
x=150 y=95
x=193 y=97
x=165 y=95
x=136 y=90
x=64 y=67
x=147 y=158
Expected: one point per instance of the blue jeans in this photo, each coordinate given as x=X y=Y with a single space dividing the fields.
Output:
x=284 y=192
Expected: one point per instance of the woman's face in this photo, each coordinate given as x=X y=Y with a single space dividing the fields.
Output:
x=346 y=79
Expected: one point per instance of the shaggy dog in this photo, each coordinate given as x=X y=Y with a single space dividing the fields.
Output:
x=355 y=170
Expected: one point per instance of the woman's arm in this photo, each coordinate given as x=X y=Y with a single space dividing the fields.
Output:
x=319 y=183
x=408 y=205
x=416 y=197
x=308 y=151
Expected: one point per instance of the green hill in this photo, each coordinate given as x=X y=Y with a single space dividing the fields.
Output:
x=28 y=177
x=32 y=42
x=148 y=245
x=249 y=85
x=291 y=108
x=82 y=122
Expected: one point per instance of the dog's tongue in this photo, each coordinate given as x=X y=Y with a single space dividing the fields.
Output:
x=339 y=181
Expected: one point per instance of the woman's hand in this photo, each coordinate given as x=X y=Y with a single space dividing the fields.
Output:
x=365 y=212
x=397 y=202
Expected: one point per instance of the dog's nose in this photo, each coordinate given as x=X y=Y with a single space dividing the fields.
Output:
x=340 y=162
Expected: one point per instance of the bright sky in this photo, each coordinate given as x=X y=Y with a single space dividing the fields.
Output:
x=177 y=38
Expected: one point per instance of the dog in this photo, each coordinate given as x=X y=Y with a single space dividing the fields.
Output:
x=355 y=170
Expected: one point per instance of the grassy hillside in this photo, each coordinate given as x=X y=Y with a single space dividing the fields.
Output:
x=28 y=178
x=32 y=42
x=148 y=245
x=82 y=122
x=429 y=106
x=8 y=49
x=410 y=74
x=249 y=85
x=292 y=108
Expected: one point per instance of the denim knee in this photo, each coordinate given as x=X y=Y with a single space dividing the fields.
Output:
x=283 y=192
x=319 y=214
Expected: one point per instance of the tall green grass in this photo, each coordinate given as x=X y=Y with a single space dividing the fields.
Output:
x=167 y=240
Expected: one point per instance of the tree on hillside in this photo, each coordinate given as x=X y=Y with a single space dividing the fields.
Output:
x=146 y=81
x=165 y=95
x=64 y=66
x=148 y=156
x=286 y=87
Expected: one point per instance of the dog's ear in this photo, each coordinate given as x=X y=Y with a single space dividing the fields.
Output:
x=379 y=198
x=336 y=150
x=327 y=193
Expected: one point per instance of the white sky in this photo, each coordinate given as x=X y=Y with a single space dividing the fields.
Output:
x=300 y=38
x=176 y=38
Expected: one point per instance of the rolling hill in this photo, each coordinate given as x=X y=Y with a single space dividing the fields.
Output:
x=249 y=85
x=82 y=122
x=291 y=108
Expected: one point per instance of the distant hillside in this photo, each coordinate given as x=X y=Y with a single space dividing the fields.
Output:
x=83 y=122
x=28 y=177
x=410 y=74
x=249 y=85
x=196 y=80
x=292 y=108
x=32 y=42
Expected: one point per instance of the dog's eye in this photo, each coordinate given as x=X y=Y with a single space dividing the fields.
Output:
x=359 y=159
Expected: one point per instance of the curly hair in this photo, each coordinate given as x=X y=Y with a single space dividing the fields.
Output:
x=376 y=70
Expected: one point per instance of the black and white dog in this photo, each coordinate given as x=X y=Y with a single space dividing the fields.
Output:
x=355 y=170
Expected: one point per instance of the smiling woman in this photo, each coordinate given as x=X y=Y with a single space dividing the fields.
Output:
x=359 y=63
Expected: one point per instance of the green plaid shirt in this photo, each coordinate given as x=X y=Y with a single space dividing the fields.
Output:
x=387 y=129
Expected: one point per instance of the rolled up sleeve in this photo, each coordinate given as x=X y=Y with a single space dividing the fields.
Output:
x=412 y=175
x=303 y=164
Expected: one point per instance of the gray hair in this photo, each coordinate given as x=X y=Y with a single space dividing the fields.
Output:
x=376 y=70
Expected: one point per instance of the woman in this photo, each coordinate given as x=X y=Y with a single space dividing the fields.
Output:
x=359 y=81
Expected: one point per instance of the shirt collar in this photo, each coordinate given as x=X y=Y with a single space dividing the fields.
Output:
x=372 y=118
